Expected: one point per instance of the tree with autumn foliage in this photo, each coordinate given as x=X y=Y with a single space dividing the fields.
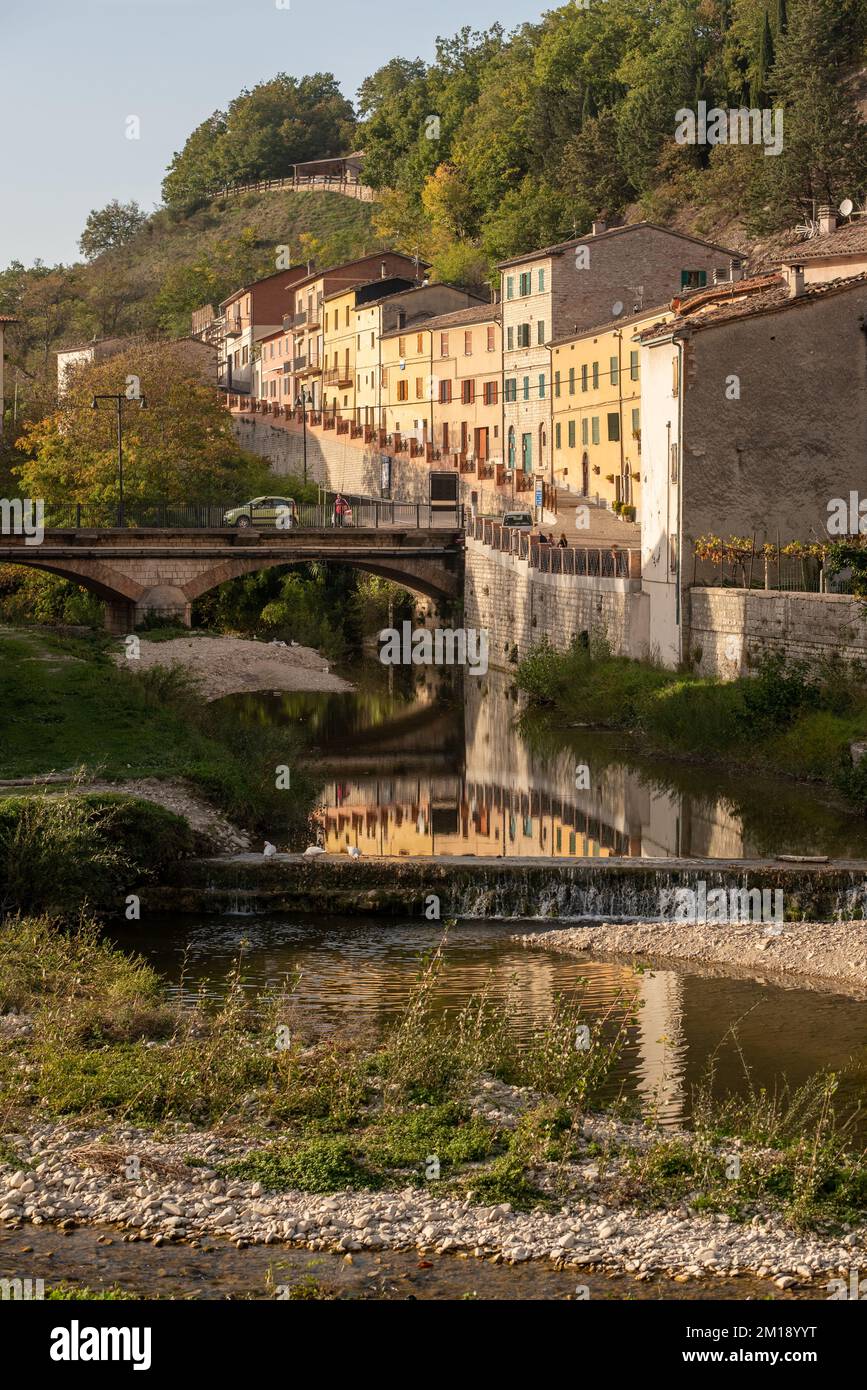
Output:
x=180 y=449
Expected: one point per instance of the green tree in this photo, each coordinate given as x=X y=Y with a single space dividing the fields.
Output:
x=111 y=227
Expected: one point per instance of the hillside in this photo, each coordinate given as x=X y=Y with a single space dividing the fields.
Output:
x=169 y=268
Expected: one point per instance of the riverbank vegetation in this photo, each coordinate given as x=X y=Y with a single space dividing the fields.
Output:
x=783 y=718
x=70 y=710
x=451 y=1103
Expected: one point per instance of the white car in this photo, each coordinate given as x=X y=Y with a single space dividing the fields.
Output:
x=517 y=521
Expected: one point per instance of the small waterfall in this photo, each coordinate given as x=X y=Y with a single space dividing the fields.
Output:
x=610 y=890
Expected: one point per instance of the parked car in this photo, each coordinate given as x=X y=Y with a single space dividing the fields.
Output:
x=264 y=511
x=518 y=521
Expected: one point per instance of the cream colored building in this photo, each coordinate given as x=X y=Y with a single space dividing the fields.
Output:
x=445 y=378
x=596 y=409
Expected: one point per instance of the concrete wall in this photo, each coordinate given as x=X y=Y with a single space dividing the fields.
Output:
x=520 y=606
x=343 y=465
x=733 y=628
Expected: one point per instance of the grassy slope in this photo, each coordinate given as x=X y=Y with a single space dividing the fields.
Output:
x=65 y=704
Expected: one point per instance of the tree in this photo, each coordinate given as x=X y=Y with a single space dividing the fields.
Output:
x=111 y=227
x=181 y=449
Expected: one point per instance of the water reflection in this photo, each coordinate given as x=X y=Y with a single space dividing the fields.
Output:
x=424 y=765
x=358 y=973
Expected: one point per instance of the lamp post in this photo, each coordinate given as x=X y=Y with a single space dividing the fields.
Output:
x=119 y=401
x=304 y=399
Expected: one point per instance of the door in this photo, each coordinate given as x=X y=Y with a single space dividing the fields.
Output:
x=527 y=453
x=585 y=476
x=481 y=445
x=512 y=447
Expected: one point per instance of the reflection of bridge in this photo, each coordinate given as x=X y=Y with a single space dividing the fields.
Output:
x=141 y=571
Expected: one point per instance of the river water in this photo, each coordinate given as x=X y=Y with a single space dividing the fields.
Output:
x=421 y=765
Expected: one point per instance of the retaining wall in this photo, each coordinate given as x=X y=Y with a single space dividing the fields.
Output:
x=729 y=630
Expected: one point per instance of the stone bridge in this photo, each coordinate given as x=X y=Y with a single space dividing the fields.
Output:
x=144 y=572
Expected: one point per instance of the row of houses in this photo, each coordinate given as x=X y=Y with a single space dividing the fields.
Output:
x=542 y=384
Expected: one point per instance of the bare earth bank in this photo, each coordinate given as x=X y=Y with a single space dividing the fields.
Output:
x=230 y=665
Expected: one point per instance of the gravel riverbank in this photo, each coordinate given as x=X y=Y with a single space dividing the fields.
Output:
x=814 y=955
x=167 y=1188
x=230 y=665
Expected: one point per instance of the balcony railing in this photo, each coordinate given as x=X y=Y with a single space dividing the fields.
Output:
x=337 y=376
x=580 y=561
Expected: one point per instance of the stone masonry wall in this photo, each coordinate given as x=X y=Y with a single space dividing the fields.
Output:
x=733 y=628
x=520 y=606
x=341 y=464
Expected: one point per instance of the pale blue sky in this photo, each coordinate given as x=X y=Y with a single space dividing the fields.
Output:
x=74 y=70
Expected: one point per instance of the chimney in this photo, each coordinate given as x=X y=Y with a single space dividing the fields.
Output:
x=600 y=225
x=736 y=271
x=382 y=271
x=795 y=279
x=827 y=220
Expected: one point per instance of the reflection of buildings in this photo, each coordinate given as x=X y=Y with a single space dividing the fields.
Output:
x=416 y=783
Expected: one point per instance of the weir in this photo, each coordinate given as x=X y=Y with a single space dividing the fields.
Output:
x=570 y=889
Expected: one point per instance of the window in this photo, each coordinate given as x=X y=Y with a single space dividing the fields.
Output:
x=401 y=347
x=571 y=434
x=585 y=431
x=347 y=316
x=419 y=342
x=468 y=392
x=510 y=389
x=526 y=284
x=510 y=339
x=615 y=371
x=403 y=390
x=444 y=345
x=445 y=437
x=468 y=344
x=557 y=437
x=693 y=279
x=613 y=427
x=633 y=366
x=445 y=392
x=383 y=376
x=419 y=388
x=674 y=468
x=595 y=376
x=326 y=323
x=540 y=332
x=672 y=552
x=571 y=381
x=510 y=287
x=526 y=388
x=583 y=376
x=373 y=340
x=491 y=393
x=523 y=335
x=541 y=386
x=557 y=384
x=636 y=421
x=594 y=429
x=541 y=282
x=675 y=374
x=492 y=338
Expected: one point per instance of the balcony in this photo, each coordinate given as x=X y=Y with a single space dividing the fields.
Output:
x=338 y=376
x=233 y=328
x=299 y=364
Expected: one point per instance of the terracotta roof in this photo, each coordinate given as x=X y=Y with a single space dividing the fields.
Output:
x=770 y=293
x=8 y=318
x=848 y=240
x=359 y=260
x=561 y=247
x=402 y=294
x=483 y=313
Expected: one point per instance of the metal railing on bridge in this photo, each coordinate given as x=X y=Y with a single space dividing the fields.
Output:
x=365 y=513
x=582 y=561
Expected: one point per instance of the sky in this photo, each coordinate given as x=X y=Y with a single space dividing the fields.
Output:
x=75 y=71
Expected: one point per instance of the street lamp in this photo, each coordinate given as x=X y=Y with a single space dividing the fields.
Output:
x=304 y=399
x=119 y=401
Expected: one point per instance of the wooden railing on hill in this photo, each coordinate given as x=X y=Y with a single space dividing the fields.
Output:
x=322 y=183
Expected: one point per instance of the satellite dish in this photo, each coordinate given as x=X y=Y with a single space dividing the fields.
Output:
x=847 y=207
x=617 y=309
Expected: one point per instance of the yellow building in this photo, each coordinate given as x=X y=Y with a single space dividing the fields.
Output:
x=596 y=410
x=339 y=337
x=444 y=378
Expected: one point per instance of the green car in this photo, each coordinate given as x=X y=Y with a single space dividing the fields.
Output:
x=264 y=511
